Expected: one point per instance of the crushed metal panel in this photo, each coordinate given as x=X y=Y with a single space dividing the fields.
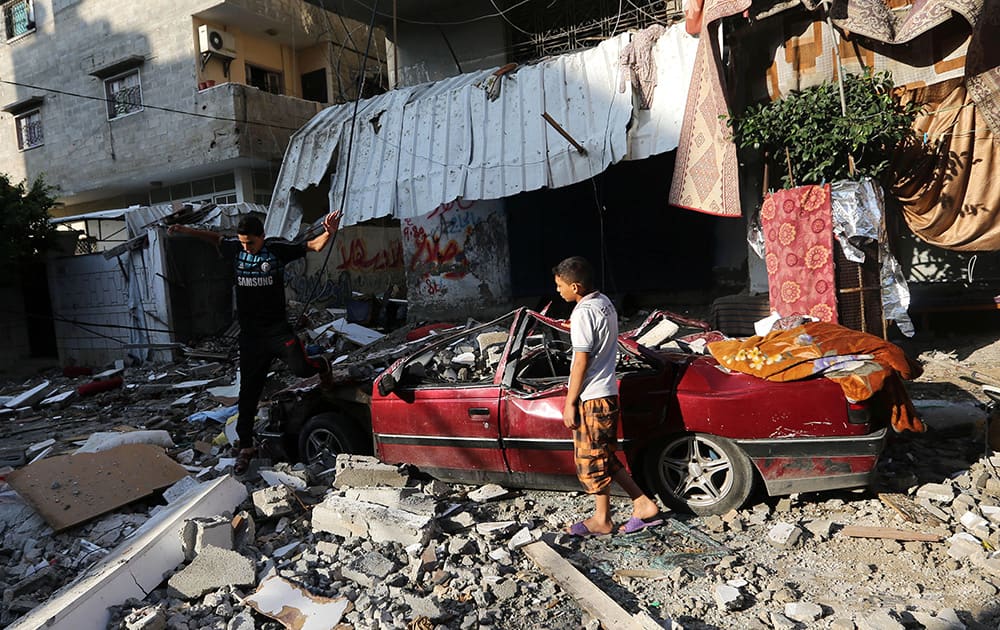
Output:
x=70 y=489
x=296 y=607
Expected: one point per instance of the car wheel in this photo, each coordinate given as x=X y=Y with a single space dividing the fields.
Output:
x=327 y=435
x=700 y=473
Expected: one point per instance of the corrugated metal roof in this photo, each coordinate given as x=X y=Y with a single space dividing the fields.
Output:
x=418 y=147
x=137 y=218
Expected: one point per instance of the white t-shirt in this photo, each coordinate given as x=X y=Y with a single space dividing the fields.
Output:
x=593 y=328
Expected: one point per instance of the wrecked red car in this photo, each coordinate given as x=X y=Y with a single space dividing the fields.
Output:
x=485 y=404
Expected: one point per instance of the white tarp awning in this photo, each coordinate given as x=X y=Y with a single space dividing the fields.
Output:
x=418 y=147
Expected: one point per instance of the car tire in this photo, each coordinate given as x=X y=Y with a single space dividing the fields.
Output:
x=699 y=473
x=327 y=435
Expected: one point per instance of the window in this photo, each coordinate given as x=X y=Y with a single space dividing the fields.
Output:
x=29 y=130
x=18 y=18
x=124 y=94
x=266 y=80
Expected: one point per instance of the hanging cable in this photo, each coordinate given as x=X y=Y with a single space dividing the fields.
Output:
x=347 y=162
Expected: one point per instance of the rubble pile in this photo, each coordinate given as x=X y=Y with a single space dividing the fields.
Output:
x=368 y=545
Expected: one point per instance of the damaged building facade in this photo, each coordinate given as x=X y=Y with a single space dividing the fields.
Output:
x=577 y=151
x=122 y=105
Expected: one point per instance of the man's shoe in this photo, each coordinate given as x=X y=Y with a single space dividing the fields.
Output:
x=243 y=460
x=325 y=373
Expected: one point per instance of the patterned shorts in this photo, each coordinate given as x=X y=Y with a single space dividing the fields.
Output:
x=594 y=443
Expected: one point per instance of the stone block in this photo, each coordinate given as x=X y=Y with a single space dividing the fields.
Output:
x=879 y=620
x=962 y=545
x=940 y=492
x=727 y=597
x=361 y=471
x=349 y=518
x=784 y=535
x=803 y=612
x=975 y=524
x=146 y=618
x=274 y=501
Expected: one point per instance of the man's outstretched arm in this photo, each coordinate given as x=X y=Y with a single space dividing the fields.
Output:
x=331 y=223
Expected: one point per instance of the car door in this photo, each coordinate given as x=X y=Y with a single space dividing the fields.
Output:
x=443 y=414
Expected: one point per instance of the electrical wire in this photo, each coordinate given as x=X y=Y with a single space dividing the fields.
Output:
x=507 y=20
x=500 y=13
x=145 y=105
x=350 y=145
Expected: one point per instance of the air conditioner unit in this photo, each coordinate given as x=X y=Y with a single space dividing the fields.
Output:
x=216 y=41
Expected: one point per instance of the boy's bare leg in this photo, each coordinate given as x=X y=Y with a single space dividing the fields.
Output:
x=600 y=522
x=642 y=506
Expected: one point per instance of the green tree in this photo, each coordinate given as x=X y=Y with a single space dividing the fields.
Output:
x=25 y=231
x=807 y=139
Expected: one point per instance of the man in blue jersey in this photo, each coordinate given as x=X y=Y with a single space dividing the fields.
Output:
x=265 y=333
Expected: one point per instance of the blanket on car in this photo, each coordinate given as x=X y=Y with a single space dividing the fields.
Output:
x=860 y=363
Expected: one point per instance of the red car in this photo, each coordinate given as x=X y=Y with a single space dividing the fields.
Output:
x=485 y=404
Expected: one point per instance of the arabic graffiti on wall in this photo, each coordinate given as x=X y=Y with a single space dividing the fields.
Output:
x=363 y=259
x=457 y=253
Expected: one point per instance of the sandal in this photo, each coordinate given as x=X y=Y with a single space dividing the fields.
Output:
x=243 y=460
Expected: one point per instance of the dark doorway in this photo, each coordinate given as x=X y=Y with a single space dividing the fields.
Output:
x=38 y=309
x=314 y=86
x=621 y=222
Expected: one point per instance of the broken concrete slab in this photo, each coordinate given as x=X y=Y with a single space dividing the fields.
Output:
x=348 y=517
x=409 y=499
x=70 y=489
x=211 y=569
x=784 y=535
x=369 y=570
x=295 y=607
x=135 y=567
x=362 y=471
x=58 y=400
x=279 y=478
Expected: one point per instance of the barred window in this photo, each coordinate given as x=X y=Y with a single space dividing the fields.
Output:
x=124 y=94
x=29 y=130
x=18 y=18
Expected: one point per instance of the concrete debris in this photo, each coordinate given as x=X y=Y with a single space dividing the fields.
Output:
x=107 y=440
x=198 y=533
x=274 y=501
x=212 y=569
x=363 y=471
x=488 y=492
x=387 y=550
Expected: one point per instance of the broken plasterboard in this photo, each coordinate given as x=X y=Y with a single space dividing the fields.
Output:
x=70 y=489
x=356 y=333
x=295 y=607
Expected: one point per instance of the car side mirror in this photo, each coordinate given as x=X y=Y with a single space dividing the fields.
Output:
x=386 y=384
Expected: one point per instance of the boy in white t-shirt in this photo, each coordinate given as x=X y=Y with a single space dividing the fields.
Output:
x=592 y=409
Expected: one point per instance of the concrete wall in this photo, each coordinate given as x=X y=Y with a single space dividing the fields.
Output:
x=364 y=258
x=89 y=289
x=431 y=53
x=457 y=261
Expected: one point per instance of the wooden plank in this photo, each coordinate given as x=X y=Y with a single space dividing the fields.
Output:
x=591 y=599
x=860 y=531
x=641 y=573
x=908 y=509
x=70 y=489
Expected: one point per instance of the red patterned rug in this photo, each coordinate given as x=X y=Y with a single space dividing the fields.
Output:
x=798 y=241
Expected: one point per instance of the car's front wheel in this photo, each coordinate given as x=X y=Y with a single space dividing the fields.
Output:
x=700 y=473
x=327 y=435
